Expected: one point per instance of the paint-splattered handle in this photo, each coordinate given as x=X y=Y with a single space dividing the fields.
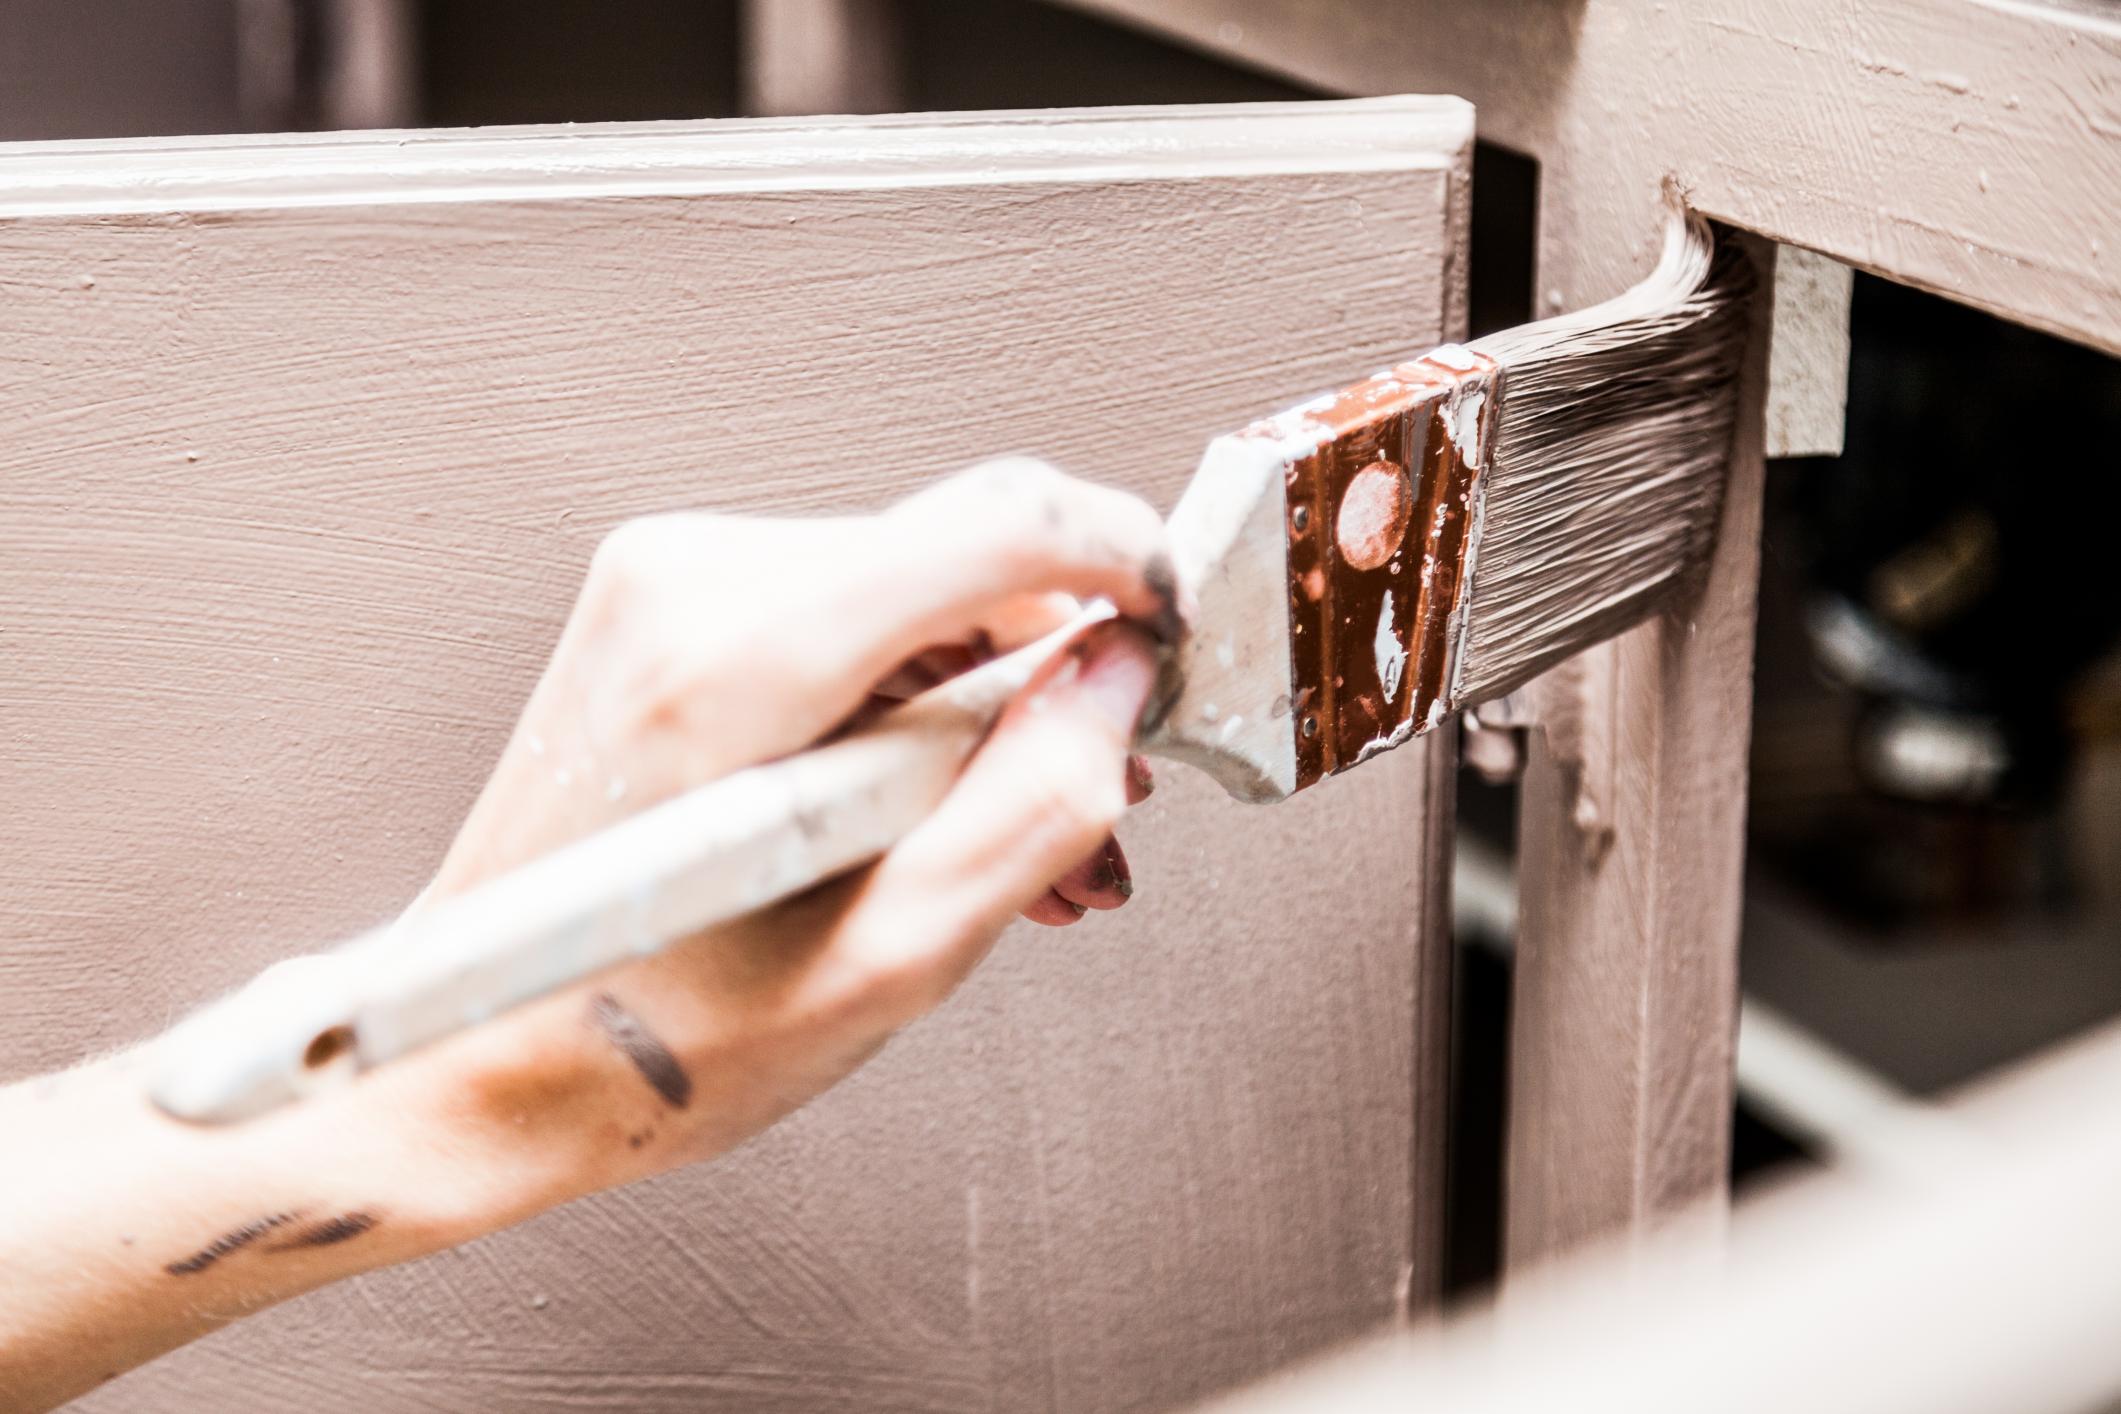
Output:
x=716 y=853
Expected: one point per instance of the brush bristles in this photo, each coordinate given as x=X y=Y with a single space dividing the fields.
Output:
x=1608 y=468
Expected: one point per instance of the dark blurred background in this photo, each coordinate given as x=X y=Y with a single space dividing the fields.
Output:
x=1936 y=768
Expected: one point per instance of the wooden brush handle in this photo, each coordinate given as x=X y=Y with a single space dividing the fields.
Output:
x=713 y=854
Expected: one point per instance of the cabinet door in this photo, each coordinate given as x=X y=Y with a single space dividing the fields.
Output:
x=307 y=444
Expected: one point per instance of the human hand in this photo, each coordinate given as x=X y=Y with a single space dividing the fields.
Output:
x=703 y=644
x=699 y=645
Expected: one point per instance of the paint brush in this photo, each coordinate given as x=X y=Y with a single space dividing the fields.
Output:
x=1372 y=560
x=1364 y=564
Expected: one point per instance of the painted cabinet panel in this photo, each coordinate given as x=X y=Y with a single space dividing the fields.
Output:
x=307 y=444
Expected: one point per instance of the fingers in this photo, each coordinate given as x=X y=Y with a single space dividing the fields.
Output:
x=1104 y=880
x=925 y=669
x=1053 y=911
x=1140 y=783
x=1038 y=799
x=943 y=560
x=1011 y=623
x=719 y=641
x=1101 y=881
x=1000 y=628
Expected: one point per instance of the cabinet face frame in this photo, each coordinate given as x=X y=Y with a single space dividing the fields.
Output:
x=1957 y=146
x=311 y=439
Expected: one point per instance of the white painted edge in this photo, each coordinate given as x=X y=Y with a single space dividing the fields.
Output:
x=1407 y=133
x=1995 y=1285
x=1851 y=1115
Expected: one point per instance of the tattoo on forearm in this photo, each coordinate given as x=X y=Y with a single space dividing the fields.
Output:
x=234 y=1240
x=648 y=1055
x=343 y=1228
x=323 y=1233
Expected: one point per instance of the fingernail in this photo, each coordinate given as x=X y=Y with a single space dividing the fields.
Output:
x=1118 y=669
x=1122 y=876
x=1140 y=784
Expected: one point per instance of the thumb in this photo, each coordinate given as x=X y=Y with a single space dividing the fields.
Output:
x=1042 y=792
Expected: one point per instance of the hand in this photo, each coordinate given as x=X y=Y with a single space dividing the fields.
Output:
x=702 y=644
x=699 y=645
x=1103 y=880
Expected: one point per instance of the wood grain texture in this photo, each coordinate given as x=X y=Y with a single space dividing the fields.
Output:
x=298 y=482
x=1963 y=146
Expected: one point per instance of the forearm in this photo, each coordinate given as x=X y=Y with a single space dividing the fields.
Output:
x=124 y=1234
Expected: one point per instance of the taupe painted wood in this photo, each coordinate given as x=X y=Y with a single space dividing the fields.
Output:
x=1429 y=1024
x=1962 y=146
x=1632 y=835
x=371 y=64
x=822 y=56
x=308 y=443
x=1987 y=1279
x=1631 y=845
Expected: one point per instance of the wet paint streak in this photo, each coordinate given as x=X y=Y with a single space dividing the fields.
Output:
x=640 y=1046
x=231 y=1241
x=343 y=1228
